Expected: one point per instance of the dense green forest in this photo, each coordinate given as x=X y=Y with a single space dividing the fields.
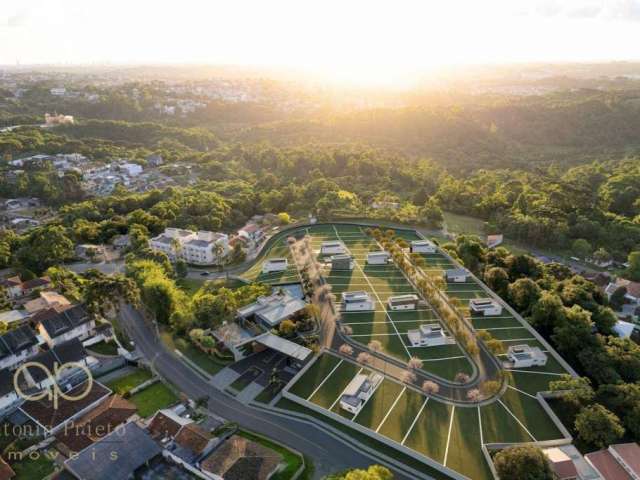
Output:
x=544 y=170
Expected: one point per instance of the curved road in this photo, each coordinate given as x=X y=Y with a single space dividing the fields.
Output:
x=329 y=454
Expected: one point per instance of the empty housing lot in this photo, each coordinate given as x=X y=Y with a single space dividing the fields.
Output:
x=447 y=434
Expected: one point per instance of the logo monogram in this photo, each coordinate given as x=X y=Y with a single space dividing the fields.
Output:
x=54 y=392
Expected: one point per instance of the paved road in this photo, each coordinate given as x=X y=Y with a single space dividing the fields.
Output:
x=328 y=453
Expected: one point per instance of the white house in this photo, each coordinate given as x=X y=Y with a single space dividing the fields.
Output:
x=456 y=275
x=403 y=302
x=428 y=336
x=633 y=289
x=378 y=258
x=198 y=248
x=275 y=265
x=342 y=262
x=16 y=346
x=61 y=326
x=485 y=306
x=207 y=248
x=358 y=391
x=524 y=356
x=332 y=247
x=423 y=246
x=357 y=301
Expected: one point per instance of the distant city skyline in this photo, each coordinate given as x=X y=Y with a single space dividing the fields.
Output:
x=358 y=41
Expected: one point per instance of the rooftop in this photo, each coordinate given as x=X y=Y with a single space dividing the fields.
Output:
x=43 y=413
x=284 y=346
x=240 y=459
x=96 y=463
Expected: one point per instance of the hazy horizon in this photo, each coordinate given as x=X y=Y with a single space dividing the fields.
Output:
x=379 y=42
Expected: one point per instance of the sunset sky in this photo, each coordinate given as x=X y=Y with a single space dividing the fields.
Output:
x=348 y=38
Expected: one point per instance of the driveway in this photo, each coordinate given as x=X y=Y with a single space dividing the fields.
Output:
x=329 y=454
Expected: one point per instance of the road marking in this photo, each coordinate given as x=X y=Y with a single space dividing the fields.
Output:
x=441 y=359
x=393 y=405
x=522 y=391
x=325 y=379
x=406 y=435
x=480 y=425
x=537 y=373
x=378 y=297
x=446 y=451
x=517 y=420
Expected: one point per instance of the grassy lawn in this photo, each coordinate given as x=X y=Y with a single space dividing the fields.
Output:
x=104 y=348
x=153 y=398
x=292 y=460
x=206 y=362
x=190 y=285
x=434 y=418
x=464 y=454
x=124 y=384
x=28 y=469
x=314 y=376
x=335 y=384
x=365 y=440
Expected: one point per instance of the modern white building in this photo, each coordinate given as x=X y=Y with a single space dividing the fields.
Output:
x=332 y=247
x=357 y=301
x=485 y=306
x=358 y=391
x=456 y=275
x=342 y=262
x=198 y=248
x=378 y=258
x=403 y=302
x=271 y=310
x=428 y=336
x=423 y=246
x=275 y=265
x=524 y=356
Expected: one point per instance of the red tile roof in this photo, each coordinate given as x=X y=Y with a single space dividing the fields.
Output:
x=630 y=454
x=607 y=465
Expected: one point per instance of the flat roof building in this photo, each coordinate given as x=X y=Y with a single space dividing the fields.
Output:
x=358 y=391
x=355 y=301
x=273 y=309
x=428 y=336
x=403 y=302
x=456 y=275
x=332 y=247
x=524 y=356
x=378 y=258
x=423 y=246
x=275 y=265
x=485 y=306
x=342 y=262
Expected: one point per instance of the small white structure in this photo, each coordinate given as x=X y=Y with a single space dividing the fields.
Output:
x=378 y=258
x=524 y=356
x=403 y=302
x=342 y=262
x=423 y=246
x=275 y=265
x=624 y=329
x=456 y=275
x=485 y=306
x=332 y=247
x=427 y=336
x=359 y=390
x=357 y=301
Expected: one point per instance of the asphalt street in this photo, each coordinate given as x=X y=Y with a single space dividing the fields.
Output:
x=328 y=453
